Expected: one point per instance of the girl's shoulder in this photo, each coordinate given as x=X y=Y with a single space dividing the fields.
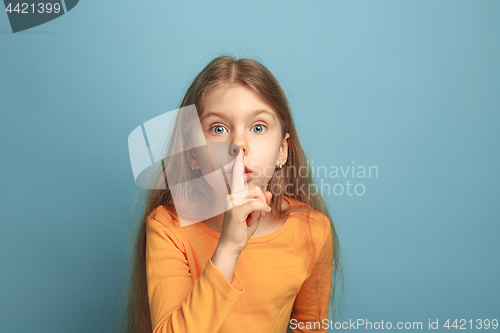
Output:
x=164 y=216
x=312 y=215
x=164 y=222
x=310 y=221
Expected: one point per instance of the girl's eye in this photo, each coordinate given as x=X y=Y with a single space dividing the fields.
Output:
x=259 y=128
x=219 y=129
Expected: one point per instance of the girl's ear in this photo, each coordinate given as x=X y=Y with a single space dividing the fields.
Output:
x=283 y=154
x=191 y=157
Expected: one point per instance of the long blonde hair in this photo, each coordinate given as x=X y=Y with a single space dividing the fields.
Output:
x=250 y=73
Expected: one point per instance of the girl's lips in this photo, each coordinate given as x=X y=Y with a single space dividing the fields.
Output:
x=246 y=176
x=247 y=170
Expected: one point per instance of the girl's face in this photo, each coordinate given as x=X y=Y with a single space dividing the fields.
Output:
x=235 y=114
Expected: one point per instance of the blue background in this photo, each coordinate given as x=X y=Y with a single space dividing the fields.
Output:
x=411 y=87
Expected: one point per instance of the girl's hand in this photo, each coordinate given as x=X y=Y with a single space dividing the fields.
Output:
x=241 y=221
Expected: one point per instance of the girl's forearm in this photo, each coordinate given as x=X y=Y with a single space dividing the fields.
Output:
x=224 y=259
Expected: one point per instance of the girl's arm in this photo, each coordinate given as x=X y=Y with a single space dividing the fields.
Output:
x=176 y=304
x=311 y=303
x=225 y=261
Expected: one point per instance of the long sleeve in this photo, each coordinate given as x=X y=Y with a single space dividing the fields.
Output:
x=176 y=304
x=311 y=303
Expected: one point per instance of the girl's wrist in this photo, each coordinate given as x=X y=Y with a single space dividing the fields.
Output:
x=227 y=251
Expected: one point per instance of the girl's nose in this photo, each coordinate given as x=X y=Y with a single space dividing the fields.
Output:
x=234 y=149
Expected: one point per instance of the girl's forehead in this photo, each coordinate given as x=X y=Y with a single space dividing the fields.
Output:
x=241 y=114
x=234 y=96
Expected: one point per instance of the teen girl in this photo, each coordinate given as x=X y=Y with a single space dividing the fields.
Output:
x=264 y=265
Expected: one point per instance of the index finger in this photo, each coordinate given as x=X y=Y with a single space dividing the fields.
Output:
x=239 y=189
x=238 y=182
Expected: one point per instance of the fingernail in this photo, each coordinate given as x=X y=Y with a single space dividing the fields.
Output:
x=269 y=208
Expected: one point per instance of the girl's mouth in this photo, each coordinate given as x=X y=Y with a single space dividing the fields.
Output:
x=247 y=174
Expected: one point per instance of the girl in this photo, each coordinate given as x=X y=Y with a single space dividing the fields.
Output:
x=264 y=263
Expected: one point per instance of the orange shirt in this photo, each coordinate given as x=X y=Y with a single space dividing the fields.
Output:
x=274 y=274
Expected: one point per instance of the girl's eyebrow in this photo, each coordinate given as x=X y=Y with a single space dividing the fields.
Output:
x=221 y=115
